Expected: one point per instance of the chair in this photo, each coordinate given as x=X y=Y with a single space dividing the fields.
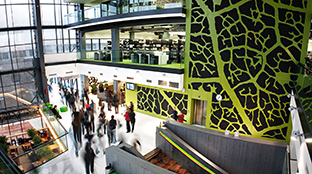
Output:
x=13 y=142
x=135 y=58
x=144 y=59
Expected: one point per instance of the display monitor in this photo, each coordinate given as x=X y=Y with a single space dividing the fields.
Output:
x=130 y=86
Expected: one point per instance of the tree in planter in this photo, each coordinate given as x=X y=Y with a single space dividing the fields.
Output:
x=31 y=133
x=94 y=89
x=45 y=152
x=3 y=144
x=37 y=140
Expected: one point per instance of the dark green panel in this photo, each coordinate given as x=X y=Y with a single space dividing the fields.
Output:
x=160 y=102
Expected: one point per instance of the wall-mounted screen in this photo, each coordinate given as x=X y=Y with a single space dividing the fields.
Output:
x=130 y=86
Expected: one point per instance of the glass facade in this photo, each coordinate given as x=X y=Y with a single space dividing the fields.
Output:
x=116 y=7
x=19 y=48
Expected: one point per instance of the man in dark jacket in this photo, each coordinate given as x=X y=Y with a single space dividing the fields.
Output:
x=132 y=119
x=111 y=130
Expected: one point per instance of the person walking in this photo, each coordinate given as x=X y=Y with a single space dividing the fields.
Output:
x=127 y=118
x=111 y=130
x=116 y=103
x=175 y=114
x=89 y=158
x=132 y=120
x=131 y=106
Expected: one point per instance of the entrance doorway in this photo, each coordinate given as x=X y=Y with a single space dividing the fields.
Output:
x=200 y=110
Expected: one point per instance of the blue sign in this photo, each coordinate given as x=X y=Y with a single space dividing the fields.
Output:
x=1 y=98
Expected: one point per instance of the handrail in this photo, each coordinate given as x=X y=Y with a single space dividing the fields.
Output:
x=197 y=162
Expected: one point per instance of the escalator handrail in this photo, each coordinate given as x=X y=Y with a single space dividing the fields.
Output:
x=187 y=154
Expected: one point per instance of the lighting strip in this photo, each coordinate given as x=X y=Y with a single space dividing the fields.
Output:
x=129 y=19
x=185 y=153
x=54 y=135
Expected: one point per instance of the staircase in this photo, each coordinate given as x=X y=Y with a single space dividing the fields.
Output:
x=160 y=159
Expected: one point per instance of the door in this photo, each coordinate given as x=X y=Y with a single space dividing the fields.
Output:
x=200 y=110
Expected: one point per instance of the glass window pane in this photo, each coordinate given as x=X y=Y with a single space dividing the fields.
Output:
x=20 y=37
x=46 y=1
x=58 y=14
x=22 y=56
x=47 y=15
x=27 y=86
x=3 y=23
x=48 y=34
x=18 y=15
x=3 y=39
x=72 y=34
x=65 y=33
x=73 y=45
x=49 y=46
x=16 y=2
x=5 y=61
x=95 y=44
x=66 y=45
x=60 y=46
x=88 y=44
x=9 y=88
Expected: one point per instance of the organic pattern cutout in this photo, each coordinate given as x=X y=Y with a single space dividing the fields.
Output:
x=246 y=50
x=160 y=102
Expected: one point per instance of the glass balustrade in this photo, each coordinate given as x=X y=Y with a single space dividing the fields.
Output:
x=33 y=152
x=121 y=7
x=303 y=89
x=167 y=59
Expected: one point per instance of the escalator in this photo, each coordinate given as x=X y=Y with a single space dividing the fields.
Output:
x=189 y=159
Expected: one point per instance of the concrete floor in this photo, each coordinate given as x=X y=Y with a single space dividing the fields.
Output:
x=67 y=163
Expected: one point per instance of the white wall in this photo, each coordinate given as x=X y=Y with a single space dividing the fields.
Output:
x=139 y=35
x=60 y=57
x=108 y=73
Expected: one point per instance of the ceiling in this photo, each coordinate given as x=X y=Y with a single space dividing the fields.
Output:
x=87 y=2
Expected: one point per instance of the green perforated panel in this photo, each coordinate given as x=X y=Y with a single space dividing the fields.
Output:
x=246 y=50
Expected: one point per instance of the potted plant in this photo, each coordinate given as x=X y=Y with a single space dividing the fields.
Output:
x=31 y=133
x=37 y=140
x=94 y=89
x=3 y=144
x=45 y=152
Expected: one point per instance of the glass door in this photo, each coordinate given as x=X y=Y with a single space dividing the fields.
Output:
x=200 y=110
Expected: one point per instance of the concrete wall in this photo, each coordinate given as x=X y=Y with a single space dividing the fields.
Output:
x=124 y=162
x=236 y=155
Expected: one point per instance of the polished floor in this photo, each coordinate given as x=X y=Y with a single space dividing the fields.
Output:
x=67 y=163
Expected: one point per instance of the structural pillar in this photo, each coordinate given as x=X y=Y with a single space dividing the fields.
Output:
x=131 y=35
x=166 y=35
x=116 y=52
x=41 y=79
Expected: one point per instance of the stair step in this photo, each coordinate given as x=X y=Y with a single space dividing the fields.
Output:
x=152 y=154
x=181 y=171
x=176 y=168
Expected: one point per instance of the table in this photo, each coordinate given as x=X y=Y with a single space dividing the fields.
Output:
x=12 y=149
x=26 y=145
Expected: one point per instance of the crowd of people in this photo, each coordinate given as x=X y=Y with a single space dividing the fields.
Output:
x=90 y=123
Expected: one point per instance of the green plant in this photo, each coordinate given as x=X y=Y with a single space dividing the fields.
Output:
x=31 y=133
x=3 y=144
x=45 y=152
x=94 y=89
x=37 y=140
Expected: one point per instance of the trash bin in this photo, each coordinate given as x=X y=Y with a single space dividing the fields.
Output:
x=96 y=56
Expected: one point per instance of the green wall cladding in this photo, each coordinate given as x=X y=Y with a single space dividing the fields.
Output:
x=160 y=101
x=246 y=50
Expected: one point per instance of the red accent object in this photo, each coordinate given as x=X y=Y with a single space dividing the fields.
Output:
x=46 y=91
